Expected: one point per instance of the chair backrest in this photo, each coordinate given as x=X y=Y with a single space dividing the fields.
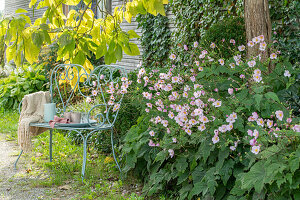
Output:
x=104 y=86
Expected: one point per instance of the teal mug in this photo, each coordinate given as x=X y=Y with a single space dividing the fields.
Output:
x=49 y=111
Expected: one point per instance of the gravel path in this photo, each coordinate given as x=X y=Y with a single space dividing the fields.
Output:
x=19 y=184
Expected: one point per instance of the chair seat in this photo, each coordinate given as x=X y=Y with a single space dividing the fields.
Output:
x=95 y=127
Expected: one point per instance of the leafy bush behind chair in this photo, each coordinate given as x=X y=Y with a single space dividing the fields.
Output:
x=20 y=82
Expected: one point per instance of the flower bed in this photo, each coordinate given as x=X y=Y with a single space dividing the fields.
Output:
x=215 y=127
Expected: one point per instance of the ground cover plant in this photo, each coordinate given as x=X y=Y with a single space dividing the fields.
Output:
x=215 y=127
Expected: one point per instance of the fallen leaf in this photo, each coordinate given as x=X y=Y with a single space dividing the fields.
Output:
x=64 y=187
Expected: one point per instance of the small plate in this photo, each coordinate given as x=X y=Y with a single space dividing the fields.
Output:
x=78 y=125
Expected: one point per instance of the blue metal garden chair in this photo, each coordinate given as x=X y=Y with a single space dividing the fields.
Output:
x=83 y=82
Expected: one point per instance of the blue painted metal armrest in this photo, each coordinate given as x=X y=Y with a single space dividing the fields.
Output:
x=20 y=104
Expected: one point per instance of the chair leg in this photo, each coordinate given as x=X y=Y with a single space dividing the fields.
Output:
x=84 y=157
x=15 y=165
x=50 y=145
x=113 y=150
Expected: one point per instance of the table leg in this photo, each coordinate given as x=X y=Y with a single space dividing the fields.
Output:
x=50 y=145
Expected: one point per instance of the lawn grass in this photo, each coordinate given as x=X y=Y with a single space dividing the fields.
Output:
x=9 y=123
x=102 y=178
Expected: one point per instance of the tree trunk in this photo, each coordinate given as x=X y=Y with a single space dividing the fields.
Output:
x=257 y=22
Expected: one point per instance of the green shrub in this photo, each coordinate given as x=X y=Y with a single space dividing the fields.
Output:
x=20 y=82
x=214 y=130
x=222 y=32
x=285 y=23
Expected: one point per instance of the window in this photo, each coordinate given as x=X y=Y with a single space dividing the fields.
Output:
x=103 y=5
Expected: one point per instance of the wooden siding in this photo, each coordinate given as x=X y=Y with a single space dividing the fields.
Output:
x=130 y=62
x=12 y=5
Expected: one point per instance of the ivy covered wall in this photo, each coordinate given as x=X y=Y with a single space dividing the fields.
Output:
x=155 y=40
x=206 y=20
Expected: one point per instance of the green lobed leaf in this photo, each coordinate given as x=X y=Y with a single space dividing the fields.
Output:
x=272 y=95
x=258 y=98
x=181 y=164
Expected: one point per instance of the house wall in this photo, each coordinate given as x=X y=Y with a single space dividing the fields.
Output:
x=12 y=5
x=130 y=62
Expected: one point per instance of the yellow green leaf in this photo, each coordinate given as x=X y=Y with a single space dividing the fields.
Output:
x=131 y=49
x=32 y=2
x=119 y=52
x=31 y=51
x=28 y=20
x=21 y=10
x=133 y=34
x=72 y=2
x=128 y=16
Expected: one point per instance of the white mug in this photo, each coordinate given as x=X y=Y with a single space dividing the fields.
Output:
x=49 y=111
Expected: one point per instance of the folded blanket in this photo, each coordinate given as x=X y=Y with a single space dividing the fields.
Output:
x=32 y=111
x=58 y=120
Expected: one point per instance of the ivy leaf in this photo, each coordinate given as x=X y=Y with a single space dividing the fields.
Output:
x=21 y=10
x=272 y=95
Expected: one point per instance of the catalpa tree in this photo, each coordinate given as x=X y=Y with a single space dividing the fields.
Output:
x=78 y=35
